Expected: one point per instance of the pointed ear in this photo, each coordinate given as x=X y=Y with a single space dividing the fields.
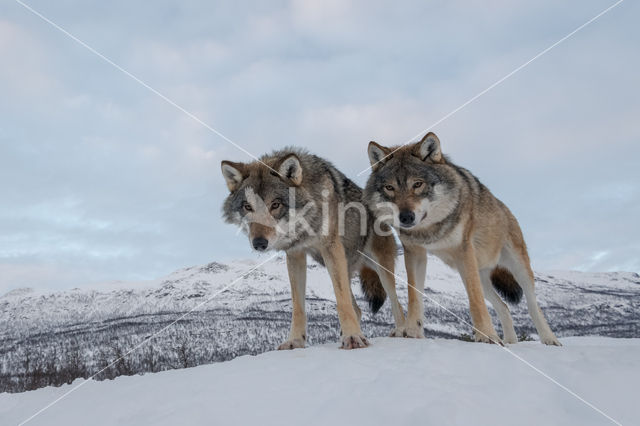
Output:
x=233 y=173
x=429 y=148
x=291 y=169
x=378 y=155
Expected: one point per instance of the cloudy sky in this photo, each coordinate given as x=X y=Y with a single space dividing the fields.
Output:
x=101 y=179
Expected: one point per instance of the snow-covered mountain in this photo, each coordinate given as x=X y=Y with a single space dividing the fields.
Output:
x=76 y=333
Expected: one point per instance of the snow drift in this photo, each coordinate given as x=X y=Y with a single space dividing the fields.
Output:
x=393 y=382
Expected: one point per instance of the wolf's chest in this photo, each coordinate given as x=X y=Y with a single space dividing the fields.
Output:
x=435 y=241
x=442 y=247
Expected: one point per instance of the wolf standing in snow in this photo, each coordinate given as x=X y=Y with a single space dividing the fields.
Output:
x=301 y=204
x=439 y=207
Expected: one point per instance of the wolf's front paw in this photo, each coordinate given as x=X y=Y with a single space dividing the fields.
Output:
x=411 y=328
x=414 y=330
x=550 y=340
x=292 y=344
x=354 y=341
x=397 y=332
x=488 y=338
x=510 y=339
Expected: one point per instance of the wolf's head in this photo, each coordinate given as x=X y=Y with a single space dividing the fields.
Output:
x=266 y=200
x=410 y=186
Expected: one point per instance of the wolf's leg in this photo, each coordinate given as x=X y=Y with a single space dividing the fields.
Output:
x=385 y=269
x=297 y=268
x=509 y=333
x=335 y=259
x=415 y=260
x=354 y=303
x=388 y=282
x=468 y=267
x=384 y=252
x=518 y=264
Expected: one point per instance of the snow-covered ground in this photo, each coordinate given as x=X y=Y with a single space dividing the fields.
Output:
x=394 y=382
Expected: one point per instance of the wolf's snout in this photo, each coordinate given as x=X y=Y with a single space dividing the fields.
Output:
x=260 y=243
x=407 y=217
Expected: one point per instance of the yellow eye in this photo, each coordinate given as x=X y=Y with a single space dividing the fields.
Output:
x=247 y=207
x=418 y=184
x=275 y=205
x=388 y=187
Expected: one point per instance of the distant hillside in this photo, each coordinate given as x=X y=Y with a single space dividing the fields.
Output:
x=49 y=338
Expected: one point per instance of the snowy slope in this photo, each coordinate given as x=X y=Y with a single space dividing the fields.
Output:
x=394 y=382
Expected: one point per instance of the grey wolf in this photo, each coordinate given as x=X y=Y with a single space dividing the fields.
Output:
x=441 y=208
x=296 y=202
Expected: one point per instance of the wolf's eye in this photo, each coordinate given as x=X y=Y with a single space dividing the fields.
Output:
x=418 y=184
x=247 y=207
x=275 y=205
x=388 y=187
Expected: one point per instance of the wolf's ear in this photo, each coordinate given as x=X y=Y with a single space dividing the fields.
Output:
x=378 y=155
x=429 y=148
x=291 y=169
x=233 y=173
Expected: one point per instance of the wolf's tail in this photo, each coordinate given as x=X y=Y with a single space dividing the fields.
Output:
x=372 y=288
x=505 y=283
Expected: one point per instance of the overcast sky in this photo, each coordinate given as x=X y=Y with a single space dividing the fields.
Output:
x=101 y=179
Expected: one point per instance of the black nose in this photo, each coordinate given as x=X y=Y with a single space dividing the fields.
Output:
x=407 y=217
x=260 y=243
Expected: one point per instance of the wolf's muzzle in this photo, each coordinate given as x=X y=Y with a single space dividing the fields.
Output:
x=260 y=243
x=407 y=218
